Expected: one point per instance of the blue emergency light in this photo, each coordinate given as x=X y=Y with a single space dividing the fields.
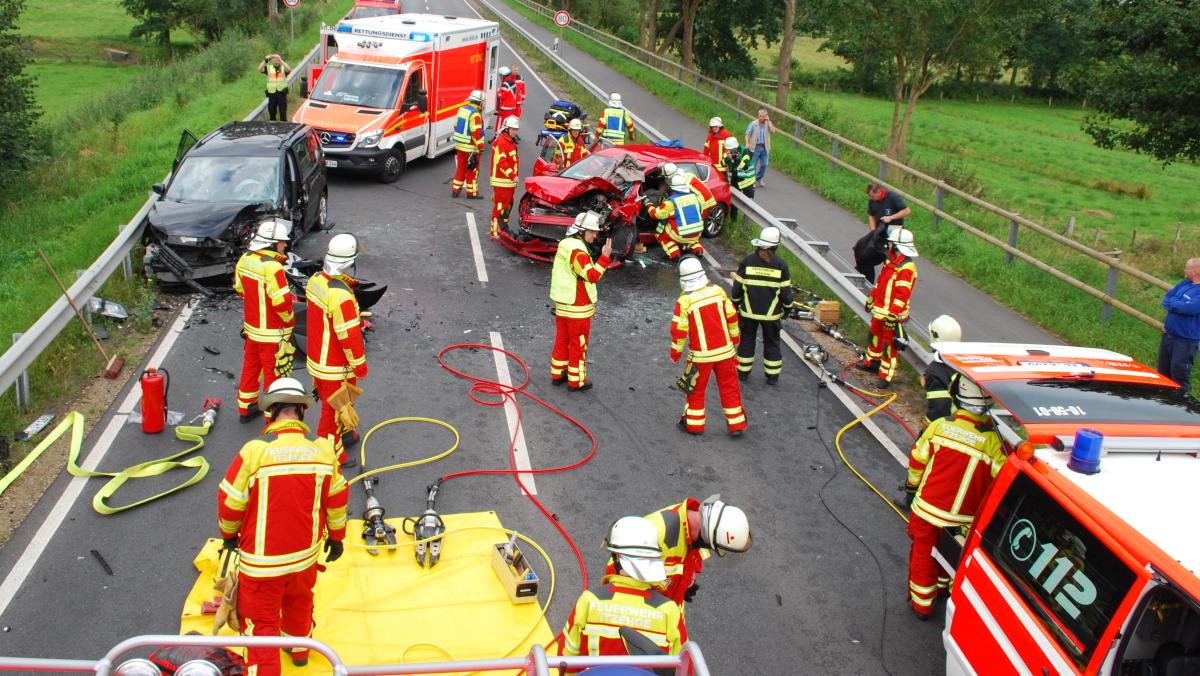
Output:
x=419 y=37
x=345 y=28
x=1085 y=452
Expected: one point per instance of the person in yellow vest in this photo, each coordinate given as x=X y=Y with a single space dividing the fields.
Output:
x=468 y=146
x=615 y=123
x=276 y=70
x=682 y=217
x=573 y=290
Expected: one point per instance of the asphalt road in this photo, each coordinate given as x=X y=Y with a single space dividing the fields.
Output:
x=813 y=596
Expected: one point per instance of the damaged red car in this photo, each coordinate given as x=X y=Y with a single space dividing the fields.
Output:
x=615 y=182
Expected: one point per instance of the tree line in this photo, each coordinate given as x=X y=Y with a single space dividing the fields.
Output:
x=1135 y=62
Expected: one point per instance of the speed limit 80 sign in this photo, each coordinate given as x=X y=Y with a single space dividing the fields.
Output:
x=562 y=18
x=291 y=4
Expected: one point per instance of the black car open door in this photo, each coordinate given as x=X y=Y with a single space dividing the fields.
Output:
x=186 y=140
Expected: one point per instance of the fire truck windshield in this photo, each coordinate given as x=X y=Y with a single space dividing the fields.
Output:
x=358 y=85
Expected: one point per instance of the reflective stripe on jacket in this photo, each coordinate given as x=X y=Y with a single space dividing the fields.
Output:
x=714 y=148
x=335 y=342
x=267 y=314
x=682 y=560
x=276 y=79
x=707 y=199
x=468 y=130
x=952 y=465
x=613 y=124
x=506 y=167
x=762 y=289
x=683 y=215
x=593 y=628
x=743 y=172
x=706 y=321
x=570 y=151
x=280 y=495
x=573 y=279
x=894 y=288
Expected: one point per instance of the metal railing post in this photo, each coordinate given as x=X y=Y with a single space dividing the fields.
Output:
x=837 y=144
x=1110 y=288
x=939 y=200
x=1013 y=228
x=21 y=386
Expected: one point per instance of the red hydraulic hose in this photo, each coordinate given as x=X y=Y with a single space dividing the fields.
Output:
x=867 y=399
x=492 y=393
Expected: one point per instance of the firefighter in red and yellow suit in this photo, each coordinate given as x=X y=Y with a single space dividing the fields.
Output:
x=573 y=290
x=336 y=353
x=506 y=102
x=691 y=532
x=519 y=85
x=950 y=469
x=615 y=124
x=889 y=304
x=706 y=321
x=683 y=219
x=468 y=146
x=282 y=495
x=626 y=598
x=267 y=316
x=714 y=143
x=572 y=147
x=506 y=169
x=699 y=188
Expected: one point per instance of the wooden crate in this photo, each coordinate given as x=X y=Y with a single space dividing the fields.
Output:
x=829 y=311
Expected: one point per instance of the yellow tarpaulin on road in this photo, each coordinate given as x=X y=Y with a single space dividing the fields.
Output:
x=386 y=609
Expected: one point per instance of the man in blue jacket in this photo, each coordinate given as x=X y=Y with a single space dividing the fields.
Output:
x=1181 y=328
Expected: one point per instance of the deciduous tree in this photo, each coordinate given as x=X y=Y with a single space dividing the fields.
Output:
x=18 y=109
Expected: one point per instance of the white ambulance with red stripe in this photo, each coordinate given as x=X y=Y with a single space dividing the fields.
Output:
x=1085 y=554
x=387 y=89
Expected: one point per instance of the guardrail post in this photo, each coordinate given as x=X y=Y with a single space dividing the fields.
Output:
x=798 y=130
x=1013 y=228
x=939 y=200
x=127 y=261
x=837 y=143
x=21 y=387
x=739 y=107
x=87 y=305
x=1110 y=288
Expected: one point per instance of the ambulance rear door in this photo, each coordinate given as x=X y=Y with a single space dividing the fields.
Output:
x=1041 y=588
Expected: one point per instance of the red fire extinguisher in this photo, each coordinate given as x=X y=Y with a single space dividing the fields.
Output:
x=155 y=384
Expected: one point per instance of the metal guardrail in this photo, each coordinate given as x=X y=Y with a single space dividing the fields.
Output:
x=690 y=661
x=743 y=102
x=840 y=283
x=29 y=345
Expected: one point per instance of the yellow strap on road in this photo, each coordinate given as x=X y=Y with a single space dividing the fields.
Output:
x=74 y=422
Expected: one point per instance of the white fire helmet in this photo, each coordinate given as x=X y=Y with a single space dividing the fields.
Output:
x=679 y=182
x=575 y=124
x=588 y=220
x=633 y=540
x=669 y=169
x=614 y=100
x=505 y=71
x=731 y=143
x=270 y=232
x=767 y=239
x=944 y=329
x=970 y=397
x=342 y=252
x=476 y=95
x=511 y=122
x=286 y=391
x=716 y=122
x=902 y=238
x=723 y=527
x=691 y=274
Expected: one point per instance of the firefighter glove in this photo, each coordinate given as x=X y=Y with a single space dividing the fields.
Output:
x=231 y=543
x=285 y=358
x=342 y=402
x=910 y=492
x=333 y=550
x=868 y=304
x=472 y=161
x=690 y=594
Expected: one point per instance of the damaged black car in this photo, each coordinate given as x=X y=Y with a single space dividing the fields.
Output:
x=221 y=187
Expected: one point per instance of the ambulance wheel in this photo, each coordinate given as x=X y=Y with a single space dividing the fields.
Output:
x=393 y=166
x=714 y=221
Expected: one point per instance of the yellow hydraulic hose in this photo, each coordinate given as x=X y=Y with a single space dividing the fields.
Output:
x=888 y=398
x=362 y=451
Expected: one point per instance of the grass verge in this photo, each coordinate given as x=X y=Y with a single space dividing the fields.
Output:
x=1046 y=301
x=104 y=157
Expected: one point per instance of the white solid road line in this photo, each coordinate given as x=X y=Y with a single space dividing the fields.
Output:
x=33 y=551
x=520 y=451
x=480 y=267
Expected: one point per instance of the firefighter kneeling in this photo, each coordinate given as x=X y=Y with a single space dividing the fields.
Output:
x=950 y=469
x=683 y=219
x=628 y=598
x=279 y=533
x=706 y=324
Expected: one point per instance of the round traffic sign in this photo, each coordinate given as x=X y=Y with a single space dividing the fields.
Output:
x=562 y=18
x=293 y=4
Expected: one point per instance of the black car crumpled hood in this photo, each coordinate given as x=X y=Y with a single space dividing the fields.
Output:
x=200 y=219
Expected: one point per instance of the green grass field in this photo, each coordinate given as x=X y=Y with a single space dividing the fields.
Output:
x=106 y=153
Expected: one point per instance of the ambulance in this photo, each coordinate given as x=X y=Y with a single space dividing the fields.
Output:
x=387 y=89
x=1085 y=553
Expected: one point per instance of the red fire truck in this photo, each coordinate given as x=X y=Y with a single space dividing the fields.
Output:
x=387 y=89
x=1084 y=556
